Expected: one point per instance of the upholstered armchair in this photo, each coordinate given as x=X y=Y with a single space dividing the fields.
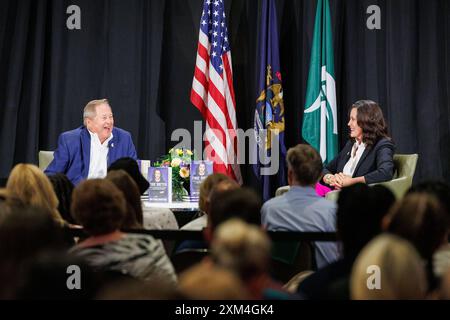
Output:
x=405 y=167
x=45 y=157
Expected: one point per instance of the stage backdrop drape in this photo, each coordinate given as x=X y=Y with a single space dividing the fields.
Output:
x=141 y=54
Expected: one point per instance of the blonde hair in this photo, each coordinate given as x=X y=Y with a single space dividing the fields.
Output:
x=208 y=282
x=29 y=184
x=401 y=270
x=241 y=247
x=90 y=109
x=444 y=291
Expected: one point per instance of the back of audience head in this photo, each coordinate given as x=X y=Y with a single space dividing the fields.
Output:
x=99 y=206
x=63 y=188
x=126 y=184
x=131 y=167
x=24 y=233
x=304 y=165
x=242 y=248
x=444 y=292
x=8 y=204
x=359 y=215
x=420 y=219
x=136 y=289
x=28 y=183
x=439 y=189
x=242 y=203
x=27 y=230
x=47 y=278
x=209 y=282
x=396 y=267
x=205 y=189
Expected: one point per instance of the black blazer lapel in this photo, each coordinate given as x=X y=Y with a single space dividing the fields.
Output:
x=345 y=157
x=361 y=160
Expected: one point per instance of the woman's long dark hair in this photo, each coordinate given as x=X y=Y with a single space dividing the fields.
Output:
x=123 y=181
x=370 y=118
x=63 y=188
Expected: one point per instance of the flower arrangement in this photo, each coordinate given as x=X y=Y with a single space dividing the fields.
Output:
x=179 y=160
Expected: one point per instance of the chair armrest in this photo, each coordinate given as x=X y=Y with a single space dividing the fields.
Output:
x=281 y=190
x=333 y=195
x=398 y=186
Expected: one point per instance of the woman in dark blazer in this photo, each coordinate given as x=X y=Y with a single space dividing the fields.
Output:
x=368 y=155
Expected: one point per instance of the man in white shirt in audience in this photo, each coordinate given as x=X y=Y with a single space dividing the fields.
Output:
x=301 y=209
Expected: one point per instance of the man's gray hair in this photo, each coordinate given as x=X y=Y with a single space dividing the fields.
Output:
x=90 y=109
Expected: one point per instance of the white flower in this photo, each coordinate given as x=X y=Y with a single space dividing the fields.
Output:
x=175 y=162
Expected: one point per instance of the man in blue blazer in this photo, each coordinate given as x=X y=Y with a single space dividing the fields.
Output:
x=87 y=152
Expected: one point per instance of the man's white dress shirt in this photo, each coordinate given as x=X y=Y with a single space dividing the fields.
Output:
x=98 y=164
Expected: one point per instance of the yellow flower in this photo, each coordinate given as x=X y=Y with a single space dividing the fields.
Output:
x=179 y=152
x=175 y=162
x=189 y=152
x=184 y=172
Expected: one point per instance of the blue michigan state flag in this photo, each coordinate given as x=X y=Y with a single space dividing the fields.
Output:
x=270 y=167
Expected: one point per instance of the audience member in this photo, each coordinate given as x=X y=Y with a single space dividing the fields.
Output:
x=8 y=203
x=204 y=198
x=420 y=218
x=245 y=250
x=206 y=281
x=217 y=206
x=131 y=167
x=63 y=188
x=135 y=289
x=241 y=203
x=134 y=217
x=25 y=232
x=32 y=186
x=441 y=190
x=301 y=209
x=59 y=276
x=388 y=268
x=100 y=207
x=444 y=290
x=359 y=217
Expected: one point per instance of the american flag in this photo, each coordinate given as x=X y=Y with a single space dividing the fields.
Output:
x=212 y=90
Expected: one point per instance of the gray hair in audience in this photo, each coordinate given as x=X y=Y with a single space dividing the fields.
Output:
x=211 y=282
x=241 y=247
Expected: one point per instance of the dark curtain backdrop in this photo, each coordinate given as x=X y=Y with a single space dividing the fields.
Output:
x=140 y=55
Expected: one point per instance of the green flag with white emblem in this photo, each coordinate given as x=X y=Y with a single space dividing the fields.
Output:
x=320 y=115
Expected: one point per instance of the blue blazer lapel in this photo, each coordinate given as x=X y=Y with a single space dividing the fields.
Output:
x=85 y=151
x=113 y=148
